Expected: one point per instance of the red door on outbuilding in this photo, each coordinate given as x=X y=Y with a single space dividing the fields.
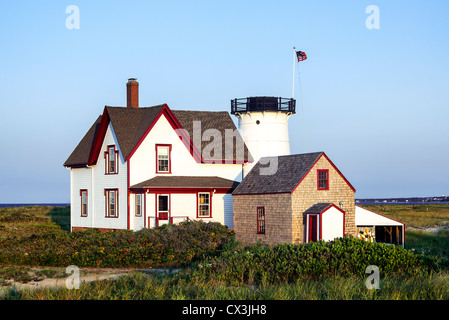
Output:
x=313 y=228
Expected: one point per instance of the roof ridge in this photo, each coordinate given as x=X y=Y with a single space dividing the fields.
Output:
x=297 y=154
x=139 y=108
x=208 y=111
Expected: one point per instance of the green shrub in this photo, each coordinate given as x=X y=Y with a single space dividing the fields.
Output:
x=169 y=245
x=287 y=262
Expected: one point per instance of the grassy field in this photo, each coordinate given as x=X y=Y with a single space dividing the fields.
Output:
x=231 y=271
x=419 y=217
x=33 y=220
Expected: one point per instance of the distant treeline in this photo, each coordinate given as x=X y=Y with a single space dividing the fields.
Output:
x=411 y=200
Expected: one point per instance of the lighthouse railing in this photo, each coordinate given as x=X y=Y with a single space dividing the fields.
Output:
x=249 y=104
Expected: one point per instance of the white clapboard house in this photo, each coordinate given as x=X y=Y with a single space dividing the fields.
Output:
x=140 y=167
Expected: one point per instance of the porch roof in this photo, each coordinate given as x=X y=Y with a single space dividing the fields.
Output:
x=185 y=182
x=318 y=208
x=365 y=217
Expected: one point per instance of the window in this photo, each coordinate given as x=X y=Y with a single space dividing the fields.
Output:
x=111 y=203
x=163 y=158
x=323 y=179
x=111 y=157
x=261 y=220
x=83 y=194
x=204 y=205
x=139 y=204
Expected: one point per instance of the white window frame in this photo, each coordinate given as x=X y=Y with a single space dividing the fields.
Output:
x=84 y=204
x=138 y=204
x=208 y=205
x=111 y=156
x=108 y=193
x=163 y=157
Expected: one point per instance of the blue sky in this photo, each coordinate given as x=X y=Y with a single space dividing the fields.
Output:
x=375 y=100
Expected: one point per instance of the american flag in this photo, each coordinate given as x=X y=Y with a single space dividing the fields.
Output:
x=301 y=55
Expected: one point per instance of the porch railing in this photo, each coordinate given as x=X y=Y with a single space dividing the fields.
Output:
x=157 y=221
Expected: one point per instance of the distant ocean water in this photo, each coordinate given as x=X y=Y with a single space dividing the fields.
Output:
x=399 y=203
x=9 y=205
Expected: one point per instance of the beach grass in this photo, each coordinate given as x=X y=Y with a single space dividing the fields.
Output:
x=33 y=220
x=144 y=286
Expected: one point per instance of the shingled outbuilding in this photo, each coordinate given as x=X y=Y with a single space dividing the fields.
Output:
x=294 y=199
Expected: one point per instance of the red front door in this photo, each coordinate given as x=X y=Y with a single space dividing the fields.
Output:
x=313 y=228
x=163 y=207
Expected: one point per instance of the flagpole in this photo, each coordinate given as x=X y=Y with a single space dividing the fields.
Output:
x=294 y=63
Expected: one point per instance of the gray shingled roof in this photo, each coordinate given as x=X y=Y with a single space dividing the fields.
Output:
x=80 y=154
x=318 y=208
x=290 y=171
x=131 y=123
x=185 y=182
x=218 y=120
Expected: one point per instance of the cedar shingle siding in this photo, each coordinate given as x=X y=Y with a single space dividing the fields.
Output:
x=286 y=196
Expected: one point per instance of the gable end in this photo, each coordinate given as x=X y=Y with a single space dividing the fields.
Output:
x=333 y=166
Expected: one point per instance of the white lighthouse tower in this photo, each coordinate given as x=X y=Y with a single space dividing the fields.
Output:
x=263 y=124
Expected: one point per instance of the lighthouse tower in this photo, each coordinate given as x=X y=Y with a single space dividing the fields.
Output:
x=263 y=124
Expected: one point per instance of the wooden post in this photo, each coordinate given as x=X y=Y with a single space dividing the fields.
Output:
x=397 y=236
x=389 y=231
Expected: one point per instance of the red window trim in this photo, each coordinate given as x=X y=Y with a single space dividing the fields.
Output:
x=87 y=202
x=106 y=200
x=198 y=205
x=106 y=160
x=318 y=179
x=169 y=158
x=259 y=231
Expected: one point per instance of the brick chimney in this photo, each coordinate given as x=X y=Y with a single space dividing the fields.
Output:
x=132 y=93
